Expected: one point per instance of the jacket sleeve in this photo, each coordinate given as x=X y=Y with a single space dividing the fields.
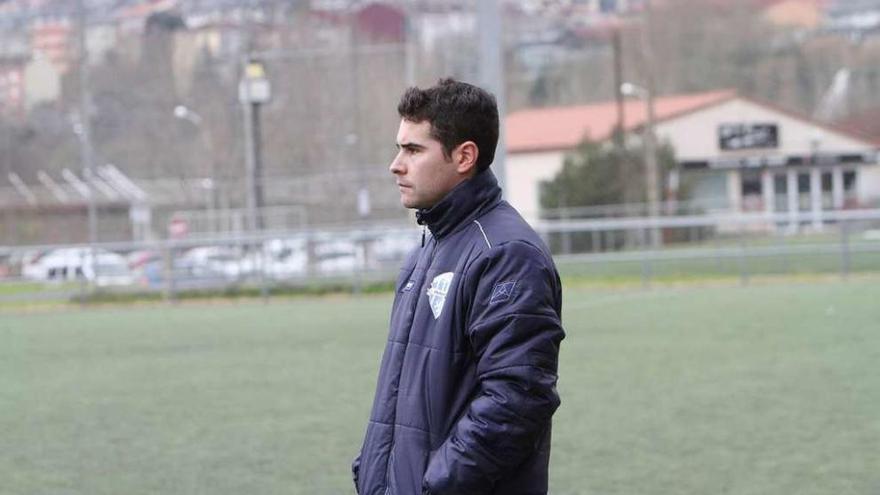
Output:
x=514 y=330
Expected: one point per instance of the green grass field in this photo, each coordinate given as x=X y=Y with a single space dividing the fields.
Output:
x=767 y=389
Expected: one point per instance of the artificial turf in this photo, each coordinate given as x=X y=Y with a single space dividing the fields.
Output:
x=737 y=390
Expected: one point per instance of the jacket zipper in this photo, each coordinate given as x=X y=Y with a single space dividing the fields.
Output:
x=388 y=467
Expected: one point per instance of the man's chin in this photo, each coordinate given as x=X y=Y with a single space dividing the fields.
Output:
x=409 y=203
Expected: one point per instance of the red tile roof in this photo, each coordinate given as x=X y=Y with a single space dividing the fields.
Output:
x=562 y=128
x=865 y=123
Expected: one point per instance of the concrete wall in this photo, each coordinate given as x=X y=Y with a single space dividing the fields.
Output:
x=868 y=185
x=42 y=81
x=524 y=173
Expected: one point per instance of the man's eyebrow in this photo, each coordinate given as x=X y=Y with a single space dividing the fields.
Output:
x=410 y=146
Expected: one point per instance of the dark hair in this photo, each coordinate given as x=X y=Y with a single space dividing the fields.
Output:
x=457 y=112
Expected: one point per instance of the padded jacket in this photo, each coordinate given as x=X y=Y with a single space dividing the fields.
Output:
x=467 y=383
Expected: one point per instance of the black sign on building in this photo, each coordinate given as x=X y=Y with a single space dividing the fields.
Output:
x=733 y=137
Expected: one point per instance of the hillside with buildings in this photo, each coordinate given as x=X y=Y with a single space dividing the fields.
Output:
x=337 y=67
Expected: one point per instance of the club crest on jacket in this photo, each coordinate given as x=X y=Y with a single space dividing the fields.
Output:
x=437 y=292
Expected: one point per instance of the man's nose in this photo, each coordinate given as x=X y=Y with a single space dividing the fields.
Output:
x=396 y=167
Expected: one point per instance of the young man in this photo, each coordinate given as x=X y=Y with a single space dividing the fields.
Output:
x=467 y=384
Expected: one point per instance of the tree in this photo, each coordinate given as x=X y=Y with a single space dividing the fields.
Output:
x=601 y=174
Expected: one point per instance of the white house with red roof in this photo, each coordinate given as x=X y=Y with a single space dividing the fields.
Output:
x=739 y=153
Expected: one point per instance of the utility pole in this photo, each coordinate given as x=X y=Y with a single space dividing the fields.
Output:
x=84 y=132
x=652 y=180
x=353 y=139
x=492 y=74
x=410 y=46
x=618 y=94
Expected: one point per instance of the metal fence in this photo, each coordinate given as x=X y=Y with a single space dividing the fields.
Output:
x=717 y=245
x=359 y=256
x=348 y=257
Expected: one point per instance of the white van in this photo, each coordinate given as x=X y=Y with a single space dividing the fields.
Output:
x=70 y=264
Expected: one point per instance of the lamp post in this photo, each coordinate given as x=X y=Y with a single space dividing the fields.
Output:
x=253 y=90
x=650 y=144
x=209 y=183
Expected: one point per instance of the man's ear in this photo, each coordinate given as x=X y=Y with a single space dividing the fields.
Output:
x=465 y=157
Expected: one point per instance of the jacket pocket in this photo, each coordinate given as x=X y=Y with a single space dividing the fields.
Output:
x=355 y=471
x=389 y=474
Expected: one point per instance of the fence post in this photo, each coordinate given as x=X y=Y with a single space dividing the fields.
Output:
x=358 y=287
x=844 y=250
x=716 y=244
x=743 y=265
x=566 y=234
x=168 y=271
x=84 y=281
x=786 y=258
x=647 y=252
x=261 y=267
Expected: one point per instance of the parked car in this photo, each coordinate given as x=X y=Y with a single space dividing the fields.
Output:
x=394 y=246
x=100 y=266
x=184 y=273
x=211 y=261
x=285 y=258
x=338 y=257
x=137 y=260
x=28 y=263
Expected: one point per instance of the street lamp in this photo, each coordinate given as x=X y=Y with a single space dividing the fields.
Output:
x=253 y=90
x=184 y=113
x=650 y=145
x=630 y=89
x=208 y=183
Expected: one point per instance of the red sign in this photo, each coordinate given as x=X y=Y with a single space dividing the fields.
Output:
x=178 y=228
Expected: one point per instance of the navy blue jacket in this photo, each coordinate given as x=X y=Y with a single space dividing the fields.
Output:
x=467 y=384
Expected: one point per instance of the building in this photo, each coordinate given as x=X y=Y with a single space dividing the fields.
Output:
x=55 y=39
x=805 y=14
x=12 y=86
x=42 y=82
x=741 y=155
x=853 y=17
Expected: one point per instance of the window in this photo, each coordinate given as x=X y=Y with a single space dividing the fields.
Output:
x=849 y=180
x=803 y=191
x=827 y=194
x=751 y=183
x=803 y=182
x=607 y=6
x=780 y=183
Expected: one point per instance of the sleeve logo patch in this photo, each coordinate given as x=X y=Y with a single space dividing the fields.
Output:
x=502 y=292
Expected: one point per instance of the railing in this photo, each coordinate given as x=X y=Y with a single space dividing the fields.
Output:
x=717 y=245
x=354 y=256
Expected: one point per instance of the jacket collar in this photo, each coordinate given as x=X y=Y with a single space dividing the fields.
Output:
x=464 y=203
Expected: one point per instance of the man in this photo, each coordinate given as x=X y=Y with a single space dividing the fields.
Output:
x=467 y=384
